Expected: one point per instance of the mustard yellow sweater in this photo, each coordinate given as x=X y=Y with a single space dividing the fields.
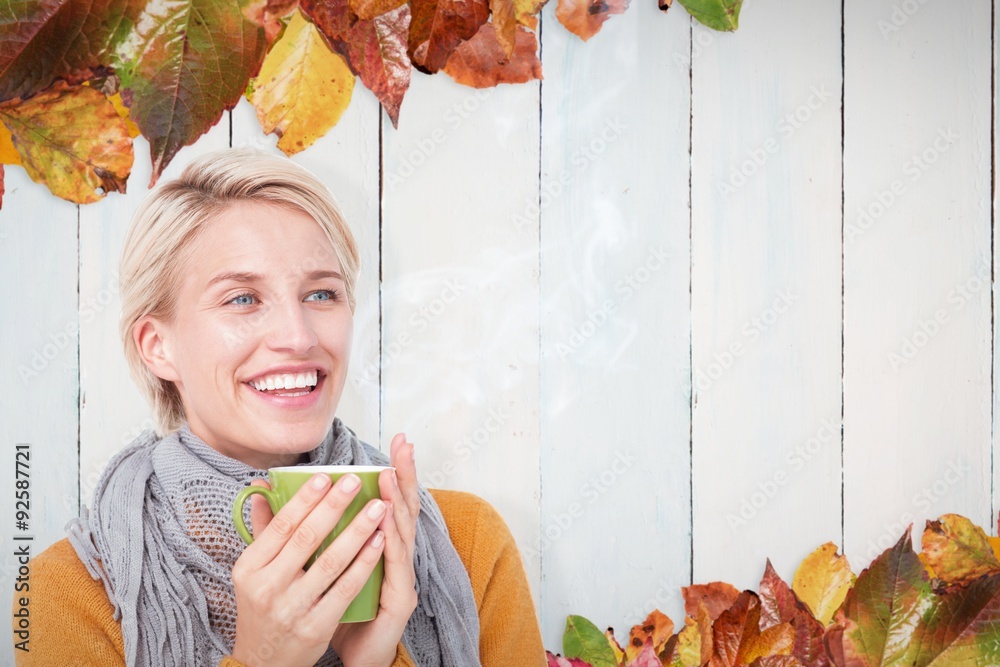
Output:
x=72 y=623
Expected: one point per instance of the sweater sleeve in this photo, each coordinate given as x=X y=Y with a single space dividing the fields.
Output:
x=71 y=621
x=509 y=633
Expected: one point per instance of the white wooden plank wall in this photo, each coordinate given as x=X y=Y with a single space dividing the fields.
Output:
x=626 y=304
x=766 y=290
x=615 y=303
x=917 y=266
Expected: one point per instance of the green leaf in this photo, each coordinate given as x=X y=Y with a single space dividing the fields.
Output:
x=583 y=640
x=882 y=610
x=179 y=78
x=721 y=15
x=962 y=628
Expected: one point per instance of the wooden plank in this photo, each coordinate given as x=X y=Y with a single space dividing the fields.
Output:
x=347 y=161
x=917 y=314
x=995 y=481
x=460 y=292
x=38 y=333
x=766 y=290
x=614 y=538
x=113 y=412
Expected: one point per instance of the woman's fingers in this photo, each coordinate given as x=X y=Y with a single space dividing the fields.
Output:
x=402 y=457
x=260 y=511
x=337 y=557
x=331 y=606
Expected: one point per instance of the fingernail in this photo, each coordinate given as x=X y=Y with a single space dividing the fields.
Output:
x=376 y=509
x=378 y=539
x=395 y=482
x=320 y=481
x=350 y=482
x=413 y=453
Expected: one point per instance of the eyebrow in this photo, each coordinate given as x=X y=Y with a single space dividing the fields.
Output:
x=249 y=277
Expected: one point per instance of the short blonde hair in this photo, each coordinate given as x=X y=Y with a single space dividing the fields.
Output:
x=171 y=217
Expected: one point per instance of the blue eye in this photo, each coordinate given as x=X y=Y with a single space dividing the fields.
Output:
x=243 y=300
x=322 y=295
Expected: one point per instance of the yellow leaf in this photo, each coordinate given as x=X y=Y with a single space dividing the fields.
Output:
x=688 y=652
x=615 y=648
x=303 y=88
x=71 y=140
x=822 y=582
x=995 y=545
x=8 y=154
x=955 y=549
x=116 y=102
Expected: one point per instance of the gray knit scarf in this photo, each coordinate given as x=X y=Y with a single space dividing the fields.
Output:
x=160 y=537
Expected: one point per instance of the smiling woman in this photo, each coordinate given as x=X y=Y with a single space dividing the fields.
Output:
x=238 y=299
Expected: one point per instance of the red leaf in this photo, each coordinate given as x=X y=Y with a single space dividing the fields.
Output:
x=440 y=26
x=267 y=14
x=559 y=661
x=178 y=79
x=717 y=597
x=46 y=40
x=375 y=49
x=779 y=604
x=584 y=18
x=647 y=657
x=3 y=189
x=737 y=637
x=481 y=62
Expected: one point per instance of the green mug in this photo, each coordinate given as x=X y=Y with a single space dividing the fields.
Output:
x=285 y=482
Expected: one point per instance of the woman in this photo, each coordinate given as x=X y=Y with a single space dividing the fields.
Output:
x=237 y=303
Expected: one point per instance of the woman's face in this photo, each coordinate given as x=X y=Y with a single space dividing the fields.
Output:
x=261 y=335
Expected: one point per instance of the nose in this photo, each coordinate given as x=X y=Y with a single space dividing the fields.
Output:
x=290 y=329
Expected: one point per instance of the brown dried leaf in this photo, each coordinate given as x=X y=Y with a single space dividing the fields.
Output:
x=440 y=26
x=73 y=141
x=369 y=9
x=584 y=18
x=717 y=597
x=657 y=628
x=738 y=639
x=481 y=63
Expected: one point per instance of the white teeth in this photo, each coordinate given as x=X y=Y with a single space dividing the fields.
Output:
x=286 y=381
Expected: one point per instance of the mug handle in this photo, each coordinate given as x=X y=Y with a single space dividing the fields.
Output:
x=241 y=498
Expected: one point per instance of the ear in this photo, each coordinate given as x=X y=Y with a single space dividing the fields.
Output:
x=151 y=337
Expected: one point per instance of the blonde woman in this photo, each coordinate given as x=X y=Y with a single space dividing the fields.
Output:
x=237 y=304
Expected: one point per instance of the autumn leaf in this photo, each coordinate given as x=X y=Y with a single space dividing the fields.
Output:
x=776 y=661
x=508 y=14
x=122 y=110
x=721 y=15
x=957 y=549
x=738 y=638
x=481 y=63
x=717 y=597
x=45 y=40
x=584 y=18
x=687 y=651
x=439 y=27
x=267 y=14
x=885 y=605
x=559 y=661
x=178 y=79
x=822 y=581
x=779 y=604
x=665 y=5
x=3 y=188
x=646 y=656
x=961 y=628
x=369 y=9
x=583 y=640
x=303 y=88
x=657 y=629
x=375 y=49
x=8 y=154
x=73 y=141
x=616 y=649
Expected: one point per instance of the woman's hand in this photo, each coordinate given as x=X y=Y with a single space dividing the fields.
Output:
x=283 y=613
x=373 y=644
